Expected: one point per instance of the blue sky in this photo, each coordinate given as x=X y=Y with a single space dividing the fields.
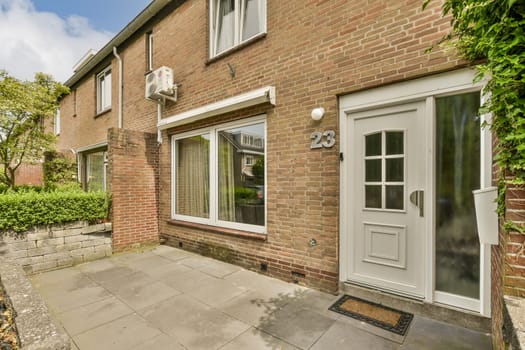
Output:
x=50 y=36
x=110 y=15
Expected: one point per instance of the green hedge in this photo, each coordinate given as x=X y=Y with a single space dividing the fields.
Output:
x=21 y=211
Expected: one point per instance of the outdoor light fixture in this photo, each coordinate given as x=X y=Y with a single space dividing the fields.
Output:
x=317 y=113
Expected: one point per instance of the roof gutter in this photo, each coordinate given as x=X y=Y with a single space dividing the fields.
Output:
x=123 y=35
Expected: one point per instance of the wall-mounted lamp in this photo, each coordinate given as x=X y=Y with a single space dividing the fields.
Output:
x=317 y=113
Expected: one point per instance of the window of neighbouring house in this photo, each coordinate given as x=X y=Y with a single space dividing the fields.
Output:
x=149 y=51
x=104 y=90
x=234 y=22
x=56 y=123
x=95 y=169
x=212 y=183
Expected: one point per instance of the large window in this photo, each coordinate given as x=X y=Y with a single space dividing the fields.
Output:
x=95 y=169
x=234 y=22
x=104 y=90
x=212 y=181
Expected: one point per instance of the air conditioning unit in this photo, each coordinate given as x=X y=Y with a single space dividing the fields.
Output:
x=159 y=85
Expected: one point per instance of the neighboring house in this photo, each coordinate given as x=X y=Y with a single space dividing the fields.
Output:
x=371 y=145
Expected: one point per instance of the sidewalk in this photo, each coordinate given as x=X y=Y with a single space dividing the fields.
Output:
x=168 y=298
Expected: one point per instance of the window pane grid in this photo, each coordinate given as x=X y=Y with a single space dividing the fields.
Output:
x=385 y=180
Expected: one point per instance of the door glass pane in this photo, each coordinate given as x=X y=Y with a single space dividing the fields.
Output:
x=457 y=174
x=373 y=170
x=241 y=185
x=394 y=197
x=373 y=145
x=394 y=142
x=193 y=176
x=395 y=169
x=372 y=196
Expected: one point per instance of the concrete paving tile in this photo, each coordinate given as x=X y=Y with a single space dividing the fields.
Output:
x=123 y=259
x=161 y=342
x=194 y=324
x=219 y=269
x=196 y=261
x=61 y=302
x=313 y=300
x=188 y=282
x=258 y=282
x=171 y=253
x=148 y=263
x=65 y=286
x=120 y=334
x=142 y=295
x=62 y=276
x=216 y=291
x=93 y=315
x=430 y=334
x=167 y=270
x=254 y=339
x=96 y=266
x=301 y=328
x=252 y=307
x=108 y=276
x=133 y=279
x=343 y=336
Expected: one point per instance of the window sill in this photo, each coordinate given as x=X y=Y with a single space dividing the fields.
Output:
x=236 y=48
x=220 y=230
x=101 y=113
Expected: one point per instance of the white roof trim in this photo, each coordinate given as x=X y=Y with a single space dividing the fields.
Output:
x=93 y=146
x=248 y=99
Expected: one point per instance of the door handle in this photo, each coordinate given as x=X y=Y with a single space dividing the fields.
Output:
x=417 y=198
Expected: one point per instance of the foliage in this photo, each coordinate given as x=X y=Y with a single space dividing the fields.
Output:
x=59 y=170
x=21 y=211
x=245 y=195
x=258 y=171
x=493 y=32
x=24 y=108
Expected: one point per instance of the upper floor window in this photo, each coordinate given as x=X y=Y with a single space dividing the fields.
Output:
x=56 y=124
x=149 y=51
x=104 y=90
x=234 y=22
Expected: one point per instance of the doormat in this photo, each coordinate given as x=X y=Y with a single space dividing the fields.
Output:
x=378 y=315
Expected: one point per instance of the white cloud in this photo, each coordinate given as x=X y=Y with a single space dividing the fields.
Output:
x=32 y=41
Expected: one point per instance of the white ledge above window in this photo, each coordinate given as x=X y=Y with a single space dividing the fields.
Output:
x=248 y=99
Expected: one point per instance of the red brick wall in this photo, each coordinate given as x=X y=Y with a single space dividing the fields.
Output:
x=29 y=174
x=514 y=268
x=133 y=180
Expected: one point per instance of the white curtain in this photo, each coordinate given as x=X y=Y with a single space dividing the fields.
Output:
x=252 y=18
x=226 y=179
x=225 y=25
x=193 y=177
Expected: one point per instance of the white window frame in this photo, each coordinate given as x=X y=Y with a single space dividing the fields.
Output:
x=56 y=124
x=238 y=25
x=104 y=90
x=150 y=50
x=213 y=219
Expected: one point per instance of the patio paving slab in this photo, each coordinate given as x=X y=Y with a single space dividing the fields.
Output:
x=167 y=298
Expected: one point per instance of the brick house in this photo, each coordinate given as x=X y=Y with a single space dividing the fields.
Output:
x=369 y=147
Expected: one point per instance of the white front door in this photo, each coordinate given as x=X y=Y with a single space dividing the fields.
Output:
x=387 y=233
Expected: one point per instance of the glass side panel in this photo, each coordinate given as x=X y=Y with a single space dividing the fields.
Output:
x=394 y=142
x=394 y=197
x=193 y=176
x=95 y=172
x=373 y=170
x=373 y=145
x=241 y=185
x=457 y=174
x=373 y=196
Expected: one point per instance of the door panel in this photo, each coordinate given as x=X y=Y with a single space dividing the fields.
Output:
x=387 y=237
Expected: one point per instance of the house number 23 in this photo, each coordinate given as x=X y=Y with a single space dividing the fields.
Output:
x=322 y=139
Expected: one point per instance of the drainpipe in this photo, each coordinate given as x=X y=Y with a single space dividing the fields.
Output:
x=119 y=86
x=159 y=117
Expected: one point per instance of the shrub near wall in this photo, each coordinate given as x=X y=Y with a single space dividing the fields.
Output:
x=21 y=211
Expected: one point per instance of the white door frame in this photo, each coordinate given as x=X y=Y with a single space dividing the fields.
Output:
x=423 y=89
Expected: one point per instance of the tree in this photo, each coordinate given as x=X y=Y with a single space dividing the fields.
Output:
x=24 y=108
x=491 y=33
